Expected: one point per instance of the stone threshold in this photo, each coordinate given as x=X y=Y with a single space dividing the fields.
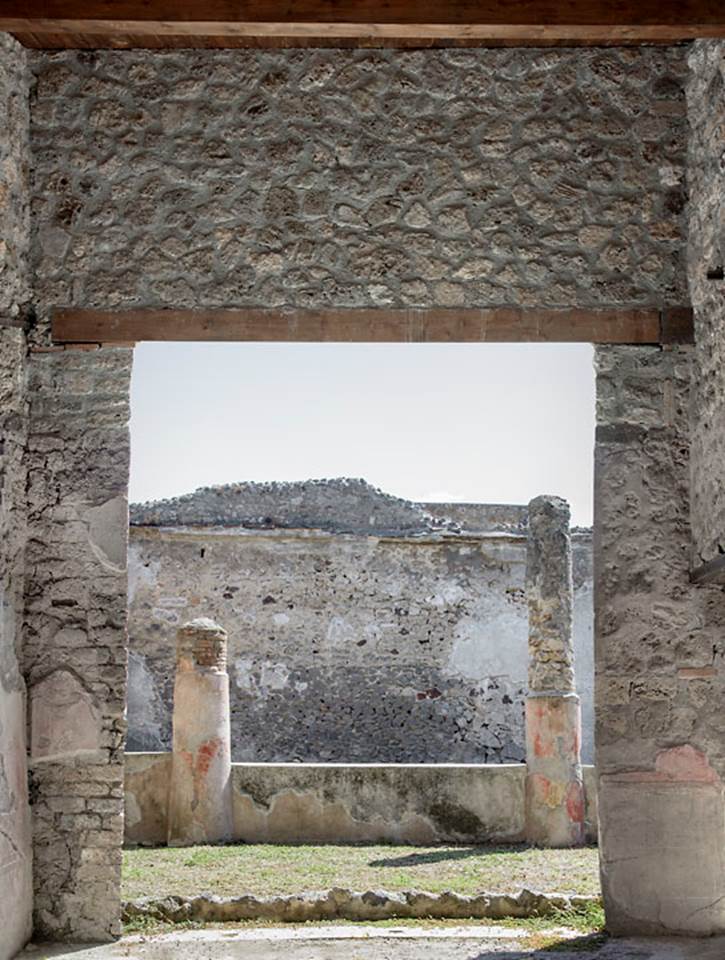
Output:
x=343 y=904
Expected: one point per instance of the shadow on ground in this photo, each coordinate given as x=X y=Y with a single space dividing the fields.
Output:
x=431 y=856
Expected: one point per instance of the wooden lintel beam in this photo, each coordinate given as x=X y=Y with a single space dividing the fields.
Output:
x=376 y=325
x=358 y=22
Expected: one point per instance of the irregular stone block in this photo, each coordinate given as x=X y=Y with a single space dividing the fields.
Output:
x=65 y=720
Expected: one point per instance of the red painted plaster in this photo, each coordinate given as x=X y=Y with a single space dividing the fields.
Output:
x=682 y=764
x=575 y=802
x=205 y=754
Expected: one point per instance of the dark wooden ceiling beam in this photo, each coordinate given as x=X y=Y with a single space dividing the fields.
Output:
x=376 y=325
x=358 y=22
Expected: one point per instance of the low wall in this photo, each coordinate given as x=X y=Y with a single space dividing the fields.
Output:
x=352 y=803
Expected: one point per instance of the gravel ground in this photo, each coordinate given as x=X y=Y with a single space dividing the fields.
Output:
x=465 y=943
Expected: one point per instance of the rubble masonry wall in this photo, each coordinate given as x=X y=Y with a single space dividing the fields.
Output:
x=706 y=262
x=409 y=646
x=359 y=178
x=15 y=833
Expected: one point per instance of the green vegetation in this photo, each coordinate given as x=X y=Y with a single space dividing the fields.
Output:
x=267 y=870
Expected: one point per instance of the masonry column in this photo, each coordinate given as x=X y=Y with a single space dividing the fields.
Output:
x=200 y=797
x=554 y=788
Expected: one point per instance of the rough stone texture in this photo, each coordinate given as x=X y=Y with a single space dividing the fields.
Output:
x=15 y=837
x=660 y=659
x=341 y=506
x=342 y=904
x=345 y=178
x=554 y=786
x=549 y=590
x=350 y=803
x=200 y=790
x=405 y=648
x=706 y=263
x=75 y=635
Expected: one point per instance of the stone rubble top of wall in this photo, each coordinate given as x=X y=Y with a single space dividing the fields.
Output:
x=511 y=518
x=340 y=505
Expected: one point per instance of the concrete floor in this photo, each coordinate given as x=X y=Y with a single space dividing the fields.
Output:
x=369 y=943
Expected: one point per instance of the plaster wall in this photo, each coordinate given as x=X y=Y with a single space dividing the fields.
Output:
x=15 y=836
x=660 y=659
x=409 y=644
x=706 y=262
x=359 y=178
x=350 y=803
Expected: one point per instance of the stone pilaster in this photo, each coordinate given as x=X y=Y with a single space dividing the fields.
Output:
x=659 y=659
x=200 y=797
x=74 y=643
x=554 y=786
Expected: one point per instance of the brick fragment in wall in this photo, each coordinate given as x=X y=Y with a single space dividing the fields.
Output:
x=74 y=651
x=402 y=178
x=660 y=659
x=705 y=266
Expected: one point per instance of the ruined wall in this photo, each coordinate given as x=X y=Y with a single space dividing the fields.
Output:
x=660 y=658
x=350 y=803
x=345 y=178
x=15 y=839
x=407 y=644
x=706 y=265
x=74 y=648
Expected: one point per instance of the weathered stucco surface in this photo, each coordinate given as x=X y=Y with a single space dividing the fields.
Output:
x=74 y=647
x=706 y=265
x=350 y=803
x=362 y=177
x=200 y=789
x=347 y=647
x=15 y=837
x=660 y=658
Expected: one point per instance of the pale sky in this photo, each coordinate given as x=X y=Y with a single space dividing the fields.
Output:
x=494 y=423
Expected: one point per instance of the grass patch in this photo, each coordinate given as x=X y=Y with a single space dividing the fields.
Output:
x=266 y=870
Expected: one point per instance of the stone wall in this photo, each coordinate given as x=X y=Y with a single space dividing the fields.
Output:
x=660 y=659
x=406 y=644
x=75 y=640
x=350 y=803
x=346 y=178
x=706 y=263
x=15 y=838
